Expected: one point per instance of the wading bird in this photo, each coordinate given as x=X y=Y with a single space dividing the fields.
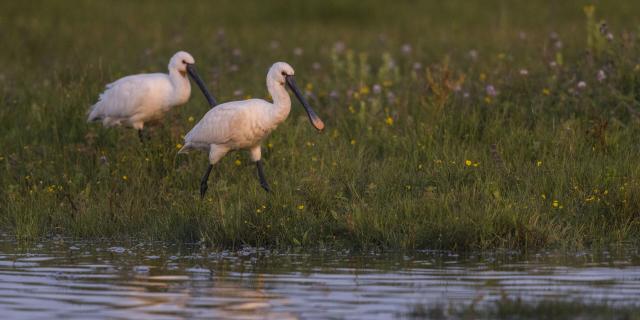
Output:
x=245 y=124
x=140 y=98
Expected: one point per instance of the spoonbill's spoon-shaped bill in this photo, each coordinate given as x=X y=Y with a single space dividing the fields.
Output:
x=137 y=99
x=313 y=117
x=191 y=70
x=245 y=124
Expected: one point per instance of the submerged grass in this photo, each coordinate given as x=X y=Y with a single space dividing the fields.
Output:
x=450 y=125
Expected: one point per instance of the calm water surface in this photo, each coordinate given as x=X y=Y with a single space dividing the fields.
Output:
x=71 y=280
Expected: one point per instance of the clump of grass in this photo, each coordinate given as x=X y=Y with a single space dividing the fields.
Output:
x=500 y=136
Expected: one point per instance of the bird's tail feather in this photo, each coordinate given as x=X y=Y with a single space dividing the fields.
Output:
x=185 y=148
x=93 y=114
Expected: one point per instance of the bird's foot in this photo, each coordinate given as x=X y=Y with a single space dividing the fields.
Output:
x=265 y=186
x=203 y=189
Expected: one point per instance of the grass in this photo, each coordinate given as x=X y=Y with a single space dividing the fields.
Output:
x=418 y=152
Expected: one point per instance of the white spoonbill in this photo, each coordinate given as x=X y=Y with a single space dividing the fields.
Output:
x=140 y=98
x=245 y=124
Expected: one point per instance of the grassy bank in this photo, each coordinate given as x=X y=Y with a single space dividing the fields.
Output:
x=449 y=126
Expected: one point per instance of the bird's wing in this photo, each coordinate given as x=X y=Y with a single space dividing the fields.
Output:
x=124 y=96
x=215 y=127
x=224 y=122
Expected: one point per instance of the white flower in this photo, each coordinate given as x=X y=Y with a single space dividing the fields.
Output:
x=601 y=76
x=297 y=51
x=582 y=85
x=524 y=72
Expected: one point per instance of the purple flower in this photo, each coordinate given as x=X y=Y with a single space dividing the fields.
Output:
x=406 y=48
x=377 y=88
x=601 y=76
x=417 y=66
x=339 y=47
x=491 y=91
x=581 y=85
x=558 y=44
x=473 y=54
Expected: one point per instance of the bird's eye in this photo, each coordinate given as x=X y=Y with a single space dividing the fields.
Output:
x=184 y=61
x=284 y=73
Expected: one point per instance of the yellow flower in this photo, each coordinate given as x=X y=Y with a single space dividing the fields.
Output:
x=191 y=119
x=387 y=83
x=543 y=196
x=487 y=99
x=467 y=163
x=476 y=164
x=301 y=207
x=483 y=77
x=270 y=145
x=351 y=109
x=125 y=178
x=555 y=203
x=178 y=146
x=364 y=90
x=247 y=97
x=539 y=163
x=238 y=162
x=589 y=9
x=309 y=87
x=501 y=56
x=591 y=198
x=353 y=141
x=389 y=121
x=546 y=91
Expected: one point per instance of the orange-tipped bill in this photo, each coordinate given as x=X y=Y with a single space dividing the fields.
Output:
x=313 y=117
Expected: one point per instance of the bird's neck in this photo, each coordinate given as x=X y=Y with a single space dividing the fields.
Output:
x=181 y=86
x=281 y=100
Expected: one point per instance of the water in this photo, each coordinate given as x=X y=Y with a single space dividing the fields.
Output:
x=71 y=280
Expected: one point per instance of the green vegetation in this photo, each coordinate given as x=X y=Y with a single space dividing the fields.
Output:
x=450 y=125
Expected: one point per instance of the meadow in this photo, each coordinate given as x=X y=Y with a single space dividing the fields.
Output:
x=452 y=125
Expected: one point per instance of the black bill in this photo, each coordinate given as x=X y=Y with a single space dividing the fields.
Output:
x=194 y=75
x=313 y=117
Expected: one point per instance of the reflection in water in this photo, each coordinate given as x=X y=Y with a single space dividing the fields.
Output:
x=153 y=281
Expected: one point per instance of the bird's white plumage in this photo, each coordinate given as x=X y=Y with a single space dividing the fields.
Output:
x=242 y=124
x=136 y=99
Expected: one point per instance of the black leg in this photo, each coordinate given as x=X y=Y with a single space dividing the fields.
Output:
x=263 y=181
x=140 y=135
x=203 y=181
